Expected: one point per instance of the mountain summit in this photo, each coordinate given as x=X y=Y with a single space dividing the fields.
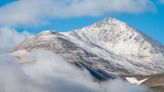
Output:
x=109 y=45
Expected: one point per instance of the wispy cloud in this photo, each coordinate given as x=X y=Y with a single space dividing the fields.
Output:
x=35 y=12
x=162 y=1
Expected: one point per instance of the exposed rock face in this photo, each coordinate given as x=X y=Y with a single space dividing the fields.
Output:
x=109 y=45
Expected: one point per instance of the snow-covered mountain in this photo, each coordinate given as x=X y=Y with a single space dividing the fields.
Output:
x=109 y=46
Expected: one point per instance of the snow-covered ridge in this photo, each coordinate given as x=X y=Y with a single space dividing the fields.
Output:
x=120 y=38
x=109 y=45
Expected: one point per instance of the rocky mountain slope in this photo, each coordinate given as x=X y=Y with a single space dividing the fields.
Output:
x=109 y=45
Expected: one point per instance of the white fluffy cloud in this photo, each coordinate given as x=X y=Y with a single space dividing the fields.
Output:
x=30 y=12
x=9 y=38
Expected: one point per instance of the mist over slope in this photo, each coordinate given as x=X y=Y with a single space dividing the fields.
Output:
x=49 y=72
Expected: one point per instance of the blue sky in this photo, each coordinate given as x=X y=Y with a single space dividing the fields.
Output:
x=148 y=20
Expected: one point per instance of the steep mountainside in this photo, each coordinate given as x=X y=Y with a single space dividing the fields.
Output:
x=121 y=39
x=108 y=46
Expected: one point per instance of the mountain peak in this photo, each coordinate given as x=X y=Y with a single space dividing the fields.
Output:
x=47 y=32
x=110 y=22
x=110 y=27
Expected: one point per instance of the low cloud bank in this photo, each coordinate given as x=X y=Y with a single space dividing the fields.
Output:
x=49 y=72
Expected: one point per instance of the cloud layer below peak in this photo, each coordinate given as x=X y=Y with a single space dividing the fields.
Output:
x=35 y=12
